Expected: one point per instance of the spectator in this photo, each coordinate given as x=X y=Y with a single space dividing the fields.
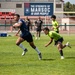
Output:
x=38 y=27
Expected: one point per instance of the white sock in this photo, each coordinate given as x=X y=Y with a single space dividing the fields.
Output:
x=37 y=50
x=21 y=46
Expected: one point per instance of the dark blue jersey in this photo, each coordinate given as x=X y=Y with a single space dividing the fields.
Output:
x=23 y=27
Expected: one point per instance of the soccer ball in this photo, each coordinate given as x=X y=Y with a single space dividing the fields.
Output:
x=16 y=27
x=15 y=23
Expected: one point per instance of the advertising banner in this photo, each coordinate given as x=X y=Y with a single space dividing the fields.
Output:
x=38 y=9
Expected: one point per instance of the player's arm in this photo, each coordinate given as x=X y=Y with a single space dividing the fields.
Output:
x=17 y=25
x=51 y=40
x=57 y=25
x=17 y=32
x=41 y=24
x=52 y=28
x=35 y=26
x=31 y=25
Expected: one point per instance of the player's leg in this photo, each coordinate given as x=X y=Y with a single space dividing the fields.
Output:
x=34 y=47
x=61 y=40
x=29 y=39
x=37 y=50
x=36 y=35
x=59 y=46
x=39 y=34
x=66 y=45
x=19 y=43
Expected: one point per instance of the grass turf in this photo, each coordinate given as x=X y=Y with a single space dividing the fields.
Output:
x=12 y=63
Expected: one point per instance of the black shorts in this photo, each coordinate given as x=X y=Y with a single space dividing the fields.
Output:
x=28 y=37
x=38 y=29
x=59 y=40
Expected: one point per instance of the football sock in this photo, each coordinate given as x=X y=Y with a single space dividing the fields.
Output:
x=61 y=52
x=37 y=50
x=21 y=46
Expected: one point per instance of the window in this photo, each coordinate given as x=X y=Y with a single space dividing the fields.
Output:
x=18 y=5
x=58 y=6
x=3 y=13
x=0 y=5
x=7 y=12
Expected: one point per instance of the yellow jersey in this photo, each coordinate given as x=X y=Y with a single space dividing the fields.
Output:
x=55 y=24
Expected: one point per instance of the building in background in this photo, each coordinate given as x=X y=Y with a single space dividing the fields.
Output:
x=32 y=9
x=19 y=6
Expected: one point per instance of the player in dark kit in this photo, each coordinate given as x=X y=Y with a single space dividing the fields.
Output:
x=25 y=35
x=38 y=25
x=28 y=23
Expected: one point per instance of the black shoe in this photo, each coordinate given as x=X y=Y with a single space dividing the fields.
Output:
x=24 y=52
x=40 y=56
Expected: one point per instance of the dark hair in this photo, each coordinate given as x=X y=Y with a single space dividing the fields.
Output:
x=53 y=16
x=46 y=28
x=17 y=15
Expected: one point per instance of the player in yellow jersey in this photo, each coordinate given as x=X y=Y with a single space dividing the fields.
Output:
x=55 y=25
x=58 y=40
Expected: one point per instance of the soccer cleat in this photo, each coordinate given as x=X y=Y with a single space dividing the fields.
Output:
x=24 y=52
x=68 y=44
x=40 y=56
x=62 y=57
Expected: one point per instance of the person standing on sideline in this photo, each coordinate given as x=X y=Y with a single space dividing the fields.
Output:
x=58 y=40
x=38 y=27
x=55 y=25
x=28 y=23
x=25 y=35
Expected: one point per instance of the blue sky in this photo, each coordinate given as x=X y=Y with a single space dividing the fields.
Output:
x=71 y=1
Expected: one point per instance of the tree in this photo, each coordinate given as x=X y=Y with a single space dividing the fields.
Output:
x=68 y=7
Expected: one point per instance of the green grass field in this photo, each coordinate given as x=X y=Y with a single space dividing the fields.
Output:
x=12 y=63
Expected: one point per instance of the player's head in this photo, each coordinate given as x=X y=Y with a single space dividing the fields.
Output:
x=46 y=30
x=16 y=17
x=53 y=17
